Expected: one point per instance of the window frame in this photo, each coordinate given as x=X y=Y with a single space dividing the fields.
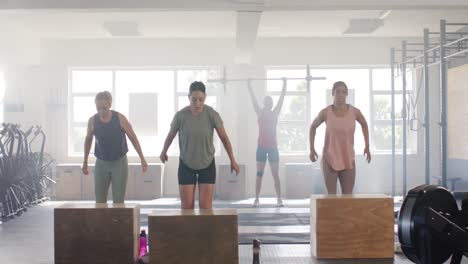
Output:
x=71 y=124
x=398 y=121
x=294 y=123
x=371 y=122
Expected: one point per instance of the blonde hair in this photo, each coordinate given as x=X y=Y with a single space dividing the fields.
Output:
x=106 y=96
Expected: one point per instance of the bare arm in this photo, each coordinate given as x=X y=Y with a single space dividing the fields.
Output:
x=321 y=117
x=227 y=145
x=365 y=131
x=253 y=98
x=127 y=128
x=87 y=144
x=279 y=105
x=167 y=143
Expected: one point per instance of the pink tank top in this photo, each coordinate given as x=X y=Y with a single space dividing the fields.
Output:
x=338 y=149
x=267 y=123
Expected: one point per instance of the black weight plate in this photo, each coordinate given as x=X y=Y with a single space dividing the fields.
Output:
x=412 y=219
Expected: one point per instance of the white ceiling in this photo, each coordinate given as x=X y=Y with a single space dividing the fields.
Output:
x=56 y=24
x=400 y=23
x=220 y=24
x=235 y=5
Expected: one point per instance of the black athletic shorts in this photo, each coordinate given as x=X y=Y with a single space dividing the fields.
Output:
x=189 y=176
x=272 y=153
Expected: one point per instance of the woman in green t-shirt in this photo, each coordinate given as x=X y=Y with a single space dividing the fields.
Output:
x=196 y=124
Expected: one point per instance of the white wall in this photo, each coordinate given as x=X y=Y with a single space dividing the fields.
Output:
x=42 y=87
x=325 y=51
x=19 y=49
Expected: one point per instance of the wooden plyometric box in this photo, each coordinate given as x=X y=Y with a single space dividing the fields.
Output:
x=351 y=226
x=96 y=233
x=148 y=185
x=68 y=185
x=230 y=186
x=193 y=236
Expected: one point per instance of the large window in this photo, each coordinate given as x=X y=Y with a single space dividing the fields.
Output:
x=382 y=110
x=294 y=117
x=147 y=97
x=213 y=91
x=185 y=77
x=369 y=90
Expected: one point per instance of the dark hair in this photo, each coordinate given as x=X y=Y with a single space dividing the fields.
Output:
x=197 y=86
x=337 y=84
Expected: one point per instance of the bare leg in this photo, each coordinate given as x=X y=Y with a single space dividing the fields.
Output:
x=330 y=176
x=205 y=196
x=347 y=179
x=258 y=182
x=187 y=196
x=274 y=166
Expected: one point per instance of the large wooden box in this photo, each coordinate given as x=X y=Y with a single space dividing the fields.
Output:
x=193 y=236
x=96 y=233
x=351 y=226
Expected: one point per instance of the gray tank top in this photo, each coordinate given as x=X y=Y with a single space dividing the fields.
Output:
x=111 y=142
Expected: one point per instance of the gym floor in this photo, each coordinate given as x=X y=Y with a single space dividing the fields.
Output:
x=29 y=238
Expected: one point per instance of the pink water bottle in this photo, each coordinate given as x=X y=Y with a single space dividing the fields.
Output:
x=143 y=243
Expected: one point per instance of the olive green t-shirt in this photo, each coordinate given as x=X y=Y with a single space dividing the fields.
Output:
x=196 y=136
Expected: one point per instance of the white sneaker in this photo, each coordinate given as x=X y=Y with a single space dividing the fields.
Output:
x=256 y=203
x=280 y=203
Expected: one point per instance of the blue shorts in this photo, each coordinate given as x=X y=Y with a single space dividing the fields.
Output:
x=271 y=153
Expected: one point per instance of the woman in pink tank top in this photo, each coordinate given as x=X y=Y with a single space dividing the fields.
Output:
x=267 y=148
x=338 y=150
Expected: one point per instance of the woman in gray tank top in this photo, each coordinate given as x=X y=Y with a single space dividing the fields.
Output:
x=195 y=125
x=110 y=129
